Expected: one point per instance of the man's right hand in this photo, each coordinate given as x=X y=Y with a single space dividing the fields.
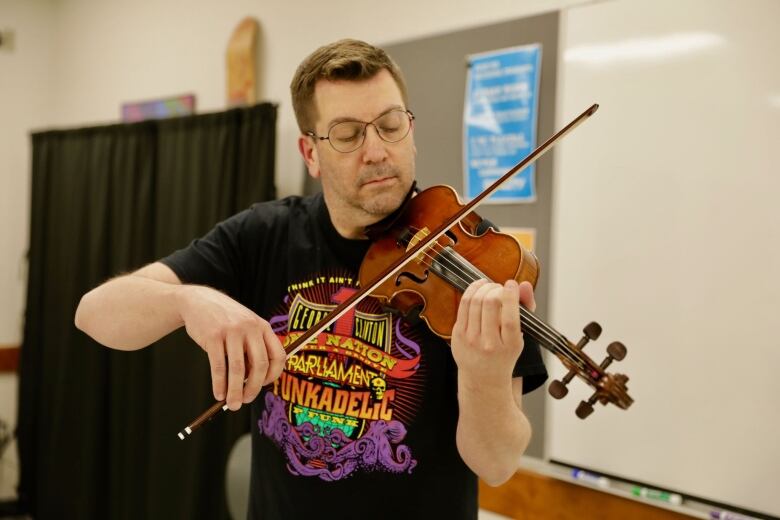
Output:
x=132 y=311
x=241 y=346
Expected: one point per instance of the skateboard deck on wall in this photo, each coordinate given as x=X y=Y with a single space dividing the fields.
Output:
x=242 y=64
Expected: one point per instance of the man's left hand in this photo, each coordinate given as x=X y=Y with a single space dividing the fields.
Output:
x=486 y=339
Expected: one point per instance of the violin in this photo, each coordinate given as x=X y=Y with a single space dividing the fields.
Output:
x=431 y=252
x=433 y=281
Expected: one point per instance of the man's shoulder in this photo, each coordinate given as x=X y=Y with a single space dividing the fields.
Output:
x=285 y=207
x=273 y=213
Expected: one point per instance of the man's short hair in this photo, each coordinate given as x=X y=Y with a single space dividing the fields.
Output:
x=352 y=60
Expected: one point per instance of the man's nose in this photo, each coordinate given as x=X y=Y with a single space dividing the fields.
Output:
x=374 y=148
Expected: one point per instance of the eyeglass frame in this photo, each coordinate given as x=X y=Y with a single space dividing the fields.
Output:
x=408 y=113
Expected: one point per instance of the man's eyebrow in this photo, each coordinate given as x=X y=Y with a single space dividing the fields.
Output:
x=337 y=120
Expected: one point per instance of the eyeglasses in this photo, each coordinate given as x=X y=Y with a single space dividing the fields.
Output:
x=348 y=136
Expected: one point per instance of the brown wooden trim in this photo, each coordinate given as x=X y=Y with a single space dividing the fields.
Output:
x=9 y=358
x=531 y=496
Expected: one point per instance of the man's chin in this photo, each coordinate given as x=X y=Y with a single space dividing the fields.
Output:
x=382 y=197
x=383 y=204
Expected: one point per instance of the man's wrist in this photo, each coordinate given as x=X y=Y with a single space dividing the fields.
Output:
x=493 y=387
x=181 y=295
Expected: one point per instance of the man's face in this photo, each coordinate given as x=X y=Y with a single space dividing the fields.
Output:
x=365 y=185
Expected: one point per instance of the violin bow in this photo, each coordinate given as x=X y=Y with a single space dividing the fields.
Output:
x=365 y=291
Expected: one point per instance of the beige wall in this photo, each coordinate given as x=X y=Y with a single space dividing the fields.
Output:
x=25 y=102
x=25 y=86
x=110 y=52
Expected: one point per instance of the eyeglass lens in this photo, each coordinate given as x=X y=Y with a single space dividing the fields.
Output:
x=391 y=127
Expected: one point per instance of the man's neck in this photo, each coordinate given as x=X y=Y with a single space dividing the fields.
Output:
x=354 y=224
x=347 y=228
x=349 y=224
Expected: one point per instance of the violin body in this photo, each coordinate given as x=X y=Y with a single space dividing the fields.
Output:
x=430 y=282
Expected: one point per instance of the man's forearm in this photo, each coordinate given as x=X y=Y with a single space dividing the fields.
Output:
x=130 y=312
x=493 y=432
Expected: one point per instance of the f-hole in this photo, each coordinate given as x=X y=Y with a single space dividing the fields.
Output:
x=411 y=276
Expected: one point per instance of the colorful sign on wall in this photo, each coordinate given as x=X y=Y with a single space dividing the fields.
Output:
x=499 y=121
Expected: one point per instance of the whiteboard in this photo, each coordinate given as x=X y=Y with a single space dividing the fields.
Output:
x=666 y=230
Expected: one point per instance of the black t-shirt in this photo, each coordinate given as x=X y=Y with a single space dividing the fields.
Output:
x=362 y=424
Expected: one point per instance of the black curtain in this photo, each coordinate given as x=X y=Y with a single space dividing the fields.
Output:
x=97 y=427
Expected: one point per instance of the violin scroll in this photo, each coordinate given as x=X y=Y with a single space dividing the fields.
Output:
x=610 y=388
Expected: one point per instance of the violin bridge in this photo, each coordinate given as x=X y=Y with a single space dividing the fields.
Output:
x=419 y=235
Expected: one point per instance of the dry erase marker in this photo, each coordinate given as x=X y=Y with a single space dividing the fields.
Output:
x=728 y=515
x=657 y=494
x=591 y=478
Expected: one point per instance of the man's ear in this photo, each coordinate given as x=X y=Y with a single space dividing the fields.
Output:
x=308 y=150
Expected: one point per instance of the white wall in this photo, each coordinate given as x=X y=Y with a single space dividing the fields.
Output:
x=665 y=231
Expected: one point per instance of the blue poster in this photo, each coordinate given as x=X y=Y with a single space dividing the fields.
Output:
x=499 y=121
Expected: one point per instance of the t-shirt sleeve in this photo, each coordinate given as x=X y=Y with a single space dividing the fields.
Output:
x=530 y=366
x=215 y=260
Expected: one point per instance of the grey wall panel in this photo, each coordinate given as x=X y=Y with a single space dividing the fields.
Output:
x=435 y=69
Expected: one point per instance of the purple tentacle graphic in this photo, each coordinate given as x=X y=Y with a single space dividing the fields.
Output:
x=402 y=341
x=378 y=448
x=279 y=323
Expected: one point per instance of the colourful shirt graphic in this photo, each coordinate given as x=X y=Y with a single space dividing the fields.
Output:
x=344 y=401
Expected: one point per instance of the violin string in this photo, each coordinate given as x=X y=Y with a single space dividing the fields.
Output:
x=465 y=273
x=544 y=334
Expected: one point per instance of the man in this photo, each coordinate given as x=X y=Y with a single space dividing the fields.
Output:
x=379 y=418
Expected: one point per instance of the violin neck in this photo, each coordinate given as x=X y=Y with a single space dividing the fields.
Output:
x=539 y=331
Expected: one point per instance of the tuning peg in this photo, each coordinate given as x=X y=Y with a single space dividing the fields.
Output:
x=558 y=389
x=592 y=332
x=616 y=352
x=585 y=408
